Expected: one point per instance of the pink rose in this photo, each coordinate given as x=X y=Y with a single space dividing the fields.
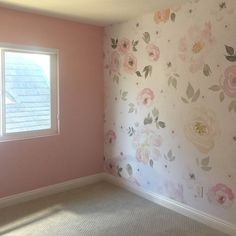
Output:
x=229 y=84
x=147 y=144
x=110 y=166
x=130 y=63
x=153 y=52
x=195 y=46
x=145 y=97
x=115 y=62
x=110 y=137
x=124 y=45
x=162 y=16
x=222 y=195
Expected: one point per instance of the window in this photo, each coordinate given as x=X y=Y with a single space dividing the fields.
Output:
x=28 y=92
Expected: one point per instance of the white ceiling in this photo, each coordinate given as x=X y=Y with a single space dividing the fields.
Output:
x=97 y=12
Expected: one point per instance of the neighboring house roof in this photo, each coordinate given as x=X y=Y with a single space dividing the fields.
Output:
x=27 y=95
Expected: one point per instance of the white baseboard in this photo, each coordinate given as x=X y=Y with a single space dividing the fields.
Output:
x=51 y=189
x=183 y=209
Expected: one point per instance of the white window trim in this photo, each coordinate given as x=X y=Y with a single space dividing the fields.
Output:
x=54 y=80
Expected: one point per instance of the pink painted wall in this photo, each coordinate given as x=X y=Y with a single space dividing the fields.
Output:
x=78 y=150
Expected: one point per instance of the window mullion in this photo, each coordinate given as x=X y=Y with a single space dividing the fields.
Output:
x=3 y=113
x=1 y=92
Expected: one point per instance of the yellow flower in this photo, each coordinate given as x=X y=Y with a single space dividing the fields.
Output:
x=200 y=128
x=197 y=47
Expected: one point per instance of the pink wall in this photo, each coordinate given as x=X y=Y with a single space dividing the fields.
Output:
x=78 y=150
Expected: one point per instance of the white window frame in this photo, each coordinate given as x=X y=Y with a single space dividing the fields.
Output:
x=54 y=85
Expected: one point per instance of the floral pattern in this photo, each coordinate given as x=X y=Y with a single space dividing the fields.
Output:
x=169 y=118
x=201 y=129
x=147 y=144
x=115 y=62
x=153 y=52
x=124 y=45
x=145 y=97
x=162 y=16
x=130 y=63
x=110 y=137
x=196 y=45
x=221 y=195
x=229 y=84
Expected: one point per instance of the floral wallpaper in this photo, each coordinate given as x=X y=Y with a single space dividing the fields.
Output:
x=170 y=104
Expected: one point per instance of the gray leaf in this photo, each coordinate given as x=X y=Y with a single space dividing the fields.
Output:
x=184 y=100
x=174 y=82
x=169 y=154
x=206 y=70
x=229 y=50
x=205 y=161
x=146 y=37
x=196 y=96
x=222 y=96
x=129 y=169
x=231 y=105
x=162 y=124
x=172 y=16
x=215 y=88
x=155 y=112
x=231 y=58
x=189 y=91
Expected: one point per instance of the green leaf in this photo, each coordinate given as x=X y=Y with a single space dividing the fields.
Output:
x=116 y=79
x=229 y=50
x=215 y=88
x=138 y=73
x=135 y=43
x=147 y=71
x=155 y=112
x=124 y=94
x=146 y=37
x=231 y=105
x=120 y=170
x=206 y=70
x=172 y=16
x=231 y=58
x=205 y=161
x=151 y=163
x=196 y=96
x=131 y=110
x=148 y=120
x=222 y=96
x=174 y=82
x=129 y=169
x=169 y=154
x=114 y=43
x=162 y=124
x=184 y=100
x=189 y=91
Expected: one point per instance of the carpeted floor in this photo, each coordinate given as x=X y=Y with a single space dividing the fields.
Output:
x=100 y=209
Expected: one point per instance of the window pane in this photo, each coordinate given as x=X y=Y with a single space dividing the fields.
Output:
x=27 y=92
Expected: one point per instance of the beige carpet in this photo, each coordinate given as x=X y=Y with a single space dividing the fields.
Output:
x=100 y=209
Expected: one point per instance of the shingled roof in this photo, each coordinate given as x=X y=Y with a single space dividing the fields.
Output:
x=27 y=95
